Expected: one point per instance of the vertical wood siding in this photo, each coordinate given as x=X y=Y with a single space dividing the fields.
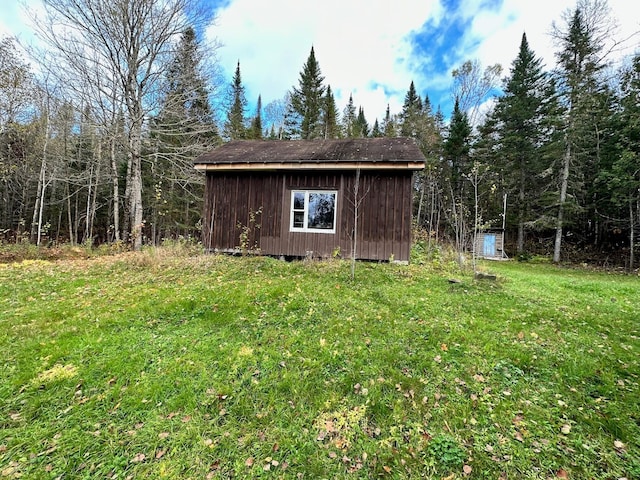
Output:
x=384 y=220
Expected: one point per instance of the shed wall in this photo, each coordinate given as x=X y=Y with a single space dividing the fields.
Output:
x=384 y=213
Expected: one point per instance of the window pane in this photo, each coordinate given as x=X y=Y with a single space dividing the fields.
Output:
x=322 y=210
x=298 y=201
x=298 y=219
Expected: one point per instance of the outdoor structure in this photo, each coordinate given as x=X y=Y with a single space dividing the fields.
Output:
x=305 y=198
x=490 y=244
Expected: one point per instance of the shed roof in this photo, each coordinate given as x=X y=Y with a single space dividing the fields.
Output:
x=344 y=154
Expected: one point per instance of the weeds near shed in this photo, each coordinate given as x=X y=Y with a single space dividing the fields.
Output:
x=248 y=241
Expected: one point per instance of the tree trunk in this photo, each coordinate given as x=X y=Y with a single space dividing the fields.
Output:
x=631 y=236
x=135 y=194
x=116 y=190
x=87 y=212
x=94 y=201
x=563 y=198
x=431 y=211
x=42 y=184
x=35 y=226
x=354 y=242
x=69 y=217
x=421 y=201
x=521 y=210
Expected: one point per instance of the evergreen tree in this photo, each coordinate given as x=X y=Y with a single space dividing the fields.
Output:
x=523 y=126
x=184 y=128
x=389 y=125
x=361 y=126
x=376 y=132
x=580 y=63
x=330 y=122
x=619 y=177
x=411 y=113
x=426 y=106
x=186 y=113
x=308 y=98
x=234 y=127
x=349 y=119
x=255 y=131
x=457 y=148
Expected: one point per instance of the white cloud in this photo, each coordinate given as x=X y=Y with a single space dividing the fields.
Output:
x=501 y=30
x=359 y=44
x=363 y=46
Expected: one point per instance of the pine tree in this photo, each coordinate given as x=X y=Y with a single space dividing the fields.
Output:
x=234 y=127
x=361 y=126
x=580 y=62
x=457 y=147
x=389 y=125
x=184 y=128
x=619 y=177
x=376 y=132
x=255 y=131
x=411 y=113
x=186 y=111
x=523 y=128
x=330 y=124
x=308 y=98
x=349 y=119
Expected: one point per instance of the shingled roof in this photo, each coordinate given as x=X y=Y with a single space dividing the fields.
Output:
x=343 y=154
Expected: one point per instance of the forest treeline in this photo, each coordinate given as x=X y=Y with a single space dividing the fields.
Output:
x=99 y=129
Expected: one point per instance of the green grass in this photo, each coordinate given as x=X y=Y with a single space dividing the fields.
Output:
x=155 y=365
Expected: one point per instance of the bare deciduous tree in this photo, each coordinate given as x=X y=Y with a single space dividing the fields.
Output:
x=116 y=52
x=471 y=86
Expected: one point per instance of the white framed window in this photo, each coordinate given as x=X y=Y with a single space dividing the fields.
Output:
x=313 y=211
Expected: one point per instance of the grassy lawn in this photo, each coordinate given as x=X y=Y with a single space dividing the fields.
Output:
x=155 y=365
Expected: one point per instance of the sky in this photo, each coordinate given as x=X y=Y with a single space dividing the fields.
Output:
x=372 y=49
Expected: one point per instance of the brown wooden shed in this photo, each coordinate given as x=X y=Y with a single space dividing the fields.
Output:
x=296 y=198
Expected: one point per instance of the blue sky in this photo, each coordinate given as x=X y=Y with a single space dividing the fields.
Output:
x=371 y=49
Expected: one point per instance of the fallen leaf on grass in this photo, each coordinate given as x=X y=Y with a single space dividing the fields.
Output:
x=566 y=428
x=12 y=470
x=141 y=457
x=160 y=454
x=249 y=462
x=562 y=473
x=163 y=435
x=467 y=470
x=444 y=347
x=48 y=451
x=215 y=466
